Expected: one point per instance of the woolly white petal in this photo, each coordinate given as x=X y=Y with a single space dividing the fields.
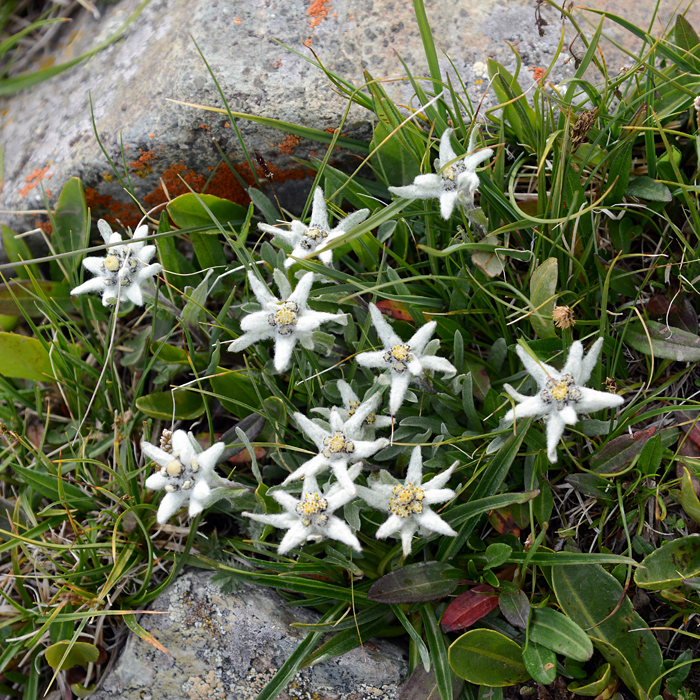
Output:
x=373 y=359
x=315 y=465
x=423 y=187
x=573 y=362
x=439 y=480
x=257 y=321
x=296 y=535
x=539 y=370
x=181 y=445
x=592 y=400
x=421 y=337
x=312 y=430
x=365 y=448
x=338 y=529
x=473 y=160
x=171 y=503
x=279 y=520
x=302 y=290
x=515 y=394
x=105 y=230
x=284 y=347
x=156 y=482
x=399 y=387
x=384 y=330
x=243 y=341
x=533 y=406
x=429 y=520
x=208 y=459
x=346 y=393
x=160 y=457
x=446 y=151
x=589 y=361
x=349 y=222
x=555 y=429
x=434 y=495
x=340 y=470
x=407 y=538
x=96 y=284
x=414 y=473
x=448 y=201
x=438 y=364
x=94 y=265
x=393 y=524
x=147 y=272
x=262 y=293
x=319 y=215
x=146 y=253
x=134 y=294
x=568 y=415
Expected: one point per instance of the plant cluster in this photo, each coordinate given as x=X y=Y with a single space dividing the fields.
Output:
x=414 y=409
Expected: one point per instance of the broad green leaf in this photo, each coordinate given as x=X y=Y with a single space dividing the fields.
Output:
x=188 y=405
x=645 y=187
x=619 y=174
x=617 y=454
x=237 y=391
x=179 y=356
x=686 y=36
x=72 y=223
x=670 y=564
x=190 y=211
x=666 y=343
x=594 y=599
x=593 y=486
x=19 y=297
x=176 y=267
x=689 y=499
x=80 y=654
x=17 y=250
x=596 y=684
x=22 y=357
x=543 y=285
x=268 y=209
x=491 y=264
x=467 y=511
x=497 y=554
x=412 y=584
x=540 y=662
x=557 y=632
x=392 y=161
x=486 y=657
x=48 y=486
x=515 y=608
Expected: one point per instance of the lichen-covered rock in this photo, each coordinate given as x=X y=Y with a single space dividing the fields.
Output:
x=227 y=647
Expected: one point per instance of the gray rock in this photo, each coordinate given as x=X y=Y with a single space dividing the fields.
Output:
x=227 y=647
x=48 y=136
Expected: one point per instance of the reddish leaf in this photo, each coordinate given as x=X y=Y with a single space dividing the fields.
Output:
x=615 y=455
x=243 y=457
x=469 y=607
x=659 y=305
x=503 y=521
x=395 y=309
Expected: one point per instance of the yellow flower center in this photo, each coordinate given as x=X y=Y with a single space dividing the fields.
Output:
x=400 y=352
x=315 y=234
x=285 y=317
x=312 y=504
x=112 y=263
x=449 y=173
x=337 y=442
x=354 y=405
x=560 y=391
x=407 y=500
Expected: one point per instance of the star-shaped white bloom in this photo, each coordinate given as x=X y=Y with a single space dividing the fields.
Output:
x=311 y=516
x=561 y=395
x=124 y=270
x=352 y=404
x=306 y=240
x=409 y=503
x=287 y=320
x=337 y=447
x=187 y=475
x=455 y=181
x=404 y=361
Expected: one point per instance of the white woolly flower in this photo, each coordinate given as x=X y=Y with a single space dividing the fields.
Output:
x=409 y=503
x=186 y=474
x=337 y=447
x=124 y=270
x=404 y=361
x=352 y=404
x=561 y=396
x=311 y=516
x=455 y=181
x=286 y=320
x=306 y=240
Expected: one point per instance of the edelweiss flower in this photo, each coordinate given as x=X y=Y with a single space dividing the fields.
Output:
x=337 y=447
x=352 y=404
x=186 y=473
x=409 y=503
x=306 y=240
x=286 y=320
x=562 y=395
x=311 y=516
x=124 y=269
x=404 y=361
x=455 y=181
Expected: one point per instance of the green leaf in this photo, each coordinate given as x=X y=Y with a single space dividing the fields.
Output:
x=175 y=264
x=48 y=486
x=596 y=684
x=540 y=662
x=515 y=607
x=438 y=652
x=189 y=211
x=486 y=657
x=594 y=599
x=543 y=285
x=80 y=654
x=670 y=564
x=22 y=357
x=689 y=499
x=619 y=175
x=615 y=455
x=666 y=343
x=562 y=635
x=72 y=224
x=188 y=405
x=646 y=188
x=17 y=250
x=266 y=207
x=414 y=583
x=497 y=554
x=237 y=391
x=467 y=511
x=686 y=37
x=18 y=297
x=392 y=161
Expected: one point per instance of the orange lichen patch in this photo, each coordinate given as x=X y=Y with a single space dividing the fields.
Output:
x=45 y=226
x=143 y=160
x=236 y=20
x=173 y=178
x=290 y=142
x=204 y=126
x=318 y=12
x=33 y=179
x=537 y=73
x=308 y=42
x=277 y=63
x=226 y=125
x=151 y=136
x=48 y=193
x=115 y=212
